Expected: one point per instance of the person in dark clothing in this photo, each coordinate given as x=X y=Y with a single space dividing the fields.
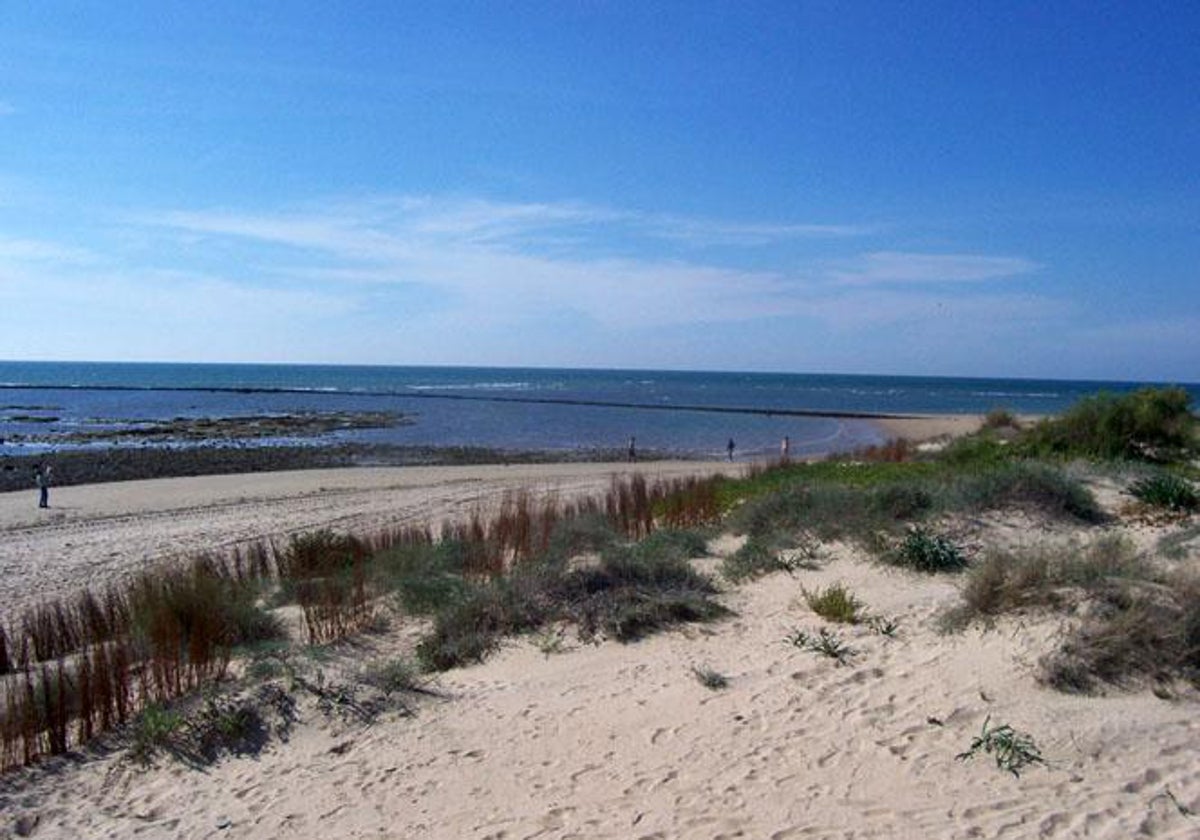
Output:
x=41 y=477
x=730 y=447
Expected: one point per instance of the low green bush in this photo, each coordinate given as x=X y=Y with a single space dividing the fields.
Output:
x=1153 y=424
x=835 y=603
x=631 y=592
x=927 y=552
x=1043 y=486
x=1166 y=490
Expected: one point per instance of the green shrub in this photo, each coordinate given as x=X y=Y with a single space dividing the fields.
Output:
x=1041 y=485
x=467 y=631
x=1149 y=423
x=980 y=450
x=835 y=603
x=928 y=552
x=1000 y=418
x=393 y=676
x=629 y=595
x=153 y=730
x=902 y=501
x=424 y=578
x=759 y=556
x=1166 y=490
x=579 y=535
x=672 y=544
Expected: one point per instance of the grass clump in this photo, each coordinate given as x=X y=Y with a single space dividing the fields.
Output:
x=153 y=730
x=1136 y=631
x=633 y=591
x=822 y=643
x=760 y=556
x=423 y=578
x=710 y=679
x=393 y=676
x=1166 y=490
x=835 y=603
x=467 y=631
x=1004 y=581
x=1000 y=418
x=928 y=552
x=1042 y=486
x=1012 y=750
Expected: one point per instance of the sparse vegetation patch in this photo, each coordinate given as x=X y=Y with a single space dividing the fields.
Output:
x=1012 y=750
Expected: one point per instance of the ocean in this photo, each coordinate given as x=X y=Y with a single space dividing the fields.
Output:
x=43 y=405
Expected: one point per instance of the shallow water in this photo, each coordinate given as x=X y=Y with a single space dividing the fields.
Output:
x=519 y=408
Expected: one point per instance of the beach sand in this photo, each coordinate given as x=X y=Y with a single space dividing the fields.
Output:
x=609 y=740
x=96 y=533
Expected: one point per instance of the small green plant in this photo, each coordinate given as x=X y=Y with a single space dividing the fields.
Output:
x=928 y=552
x=1013 y=750
x=393 y=676
x=822 y=643
x=709 y=678
x=224 y=724
x=1166 y=490
x=888 y=627
x=1000 y=418
x=761 y=556
x=550 y=641
x=835 y=603
x=153 y=730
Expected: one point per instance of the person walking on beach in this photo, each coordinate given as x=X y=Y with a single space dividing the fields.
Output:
x=785 y=449
x=632 y=449
x=730 y=447
x=41 y=476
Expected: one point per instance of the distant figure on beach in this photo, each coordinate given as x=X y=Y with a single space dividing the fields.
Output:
x=785 y=448
x=632 y=449
x=41 y=476
x=730 y=447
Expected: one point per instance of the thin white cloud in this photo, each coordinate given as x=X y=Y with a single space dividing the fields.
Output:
x=709 y=232
x=36 y=250
x=899 y=267
x=487 y=260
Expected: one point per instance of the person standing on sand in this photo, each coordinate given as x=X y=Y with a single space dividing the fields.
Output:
x=632 y=449
x=785 y=448
x=41 y=476
x=730 y=447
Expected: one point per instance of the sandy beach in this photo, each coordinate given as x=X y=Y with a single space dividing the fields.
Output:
x=606 y=740
x=96 y=533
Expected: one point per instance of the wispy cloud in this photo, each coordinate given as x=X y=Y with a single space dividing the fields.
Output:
x=479 y=281
x=493 y=260
x=898 y=267
x=35 y=250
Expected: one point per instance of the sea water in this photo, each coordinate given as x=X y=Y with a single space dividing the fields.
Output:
x=688 y=412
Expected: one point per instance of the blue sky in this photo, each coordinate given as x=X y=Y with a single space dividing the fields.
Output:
x=1004 y=189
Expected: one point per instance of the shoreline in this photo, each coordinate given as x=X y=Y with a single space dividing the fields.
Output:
x=134 y=463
